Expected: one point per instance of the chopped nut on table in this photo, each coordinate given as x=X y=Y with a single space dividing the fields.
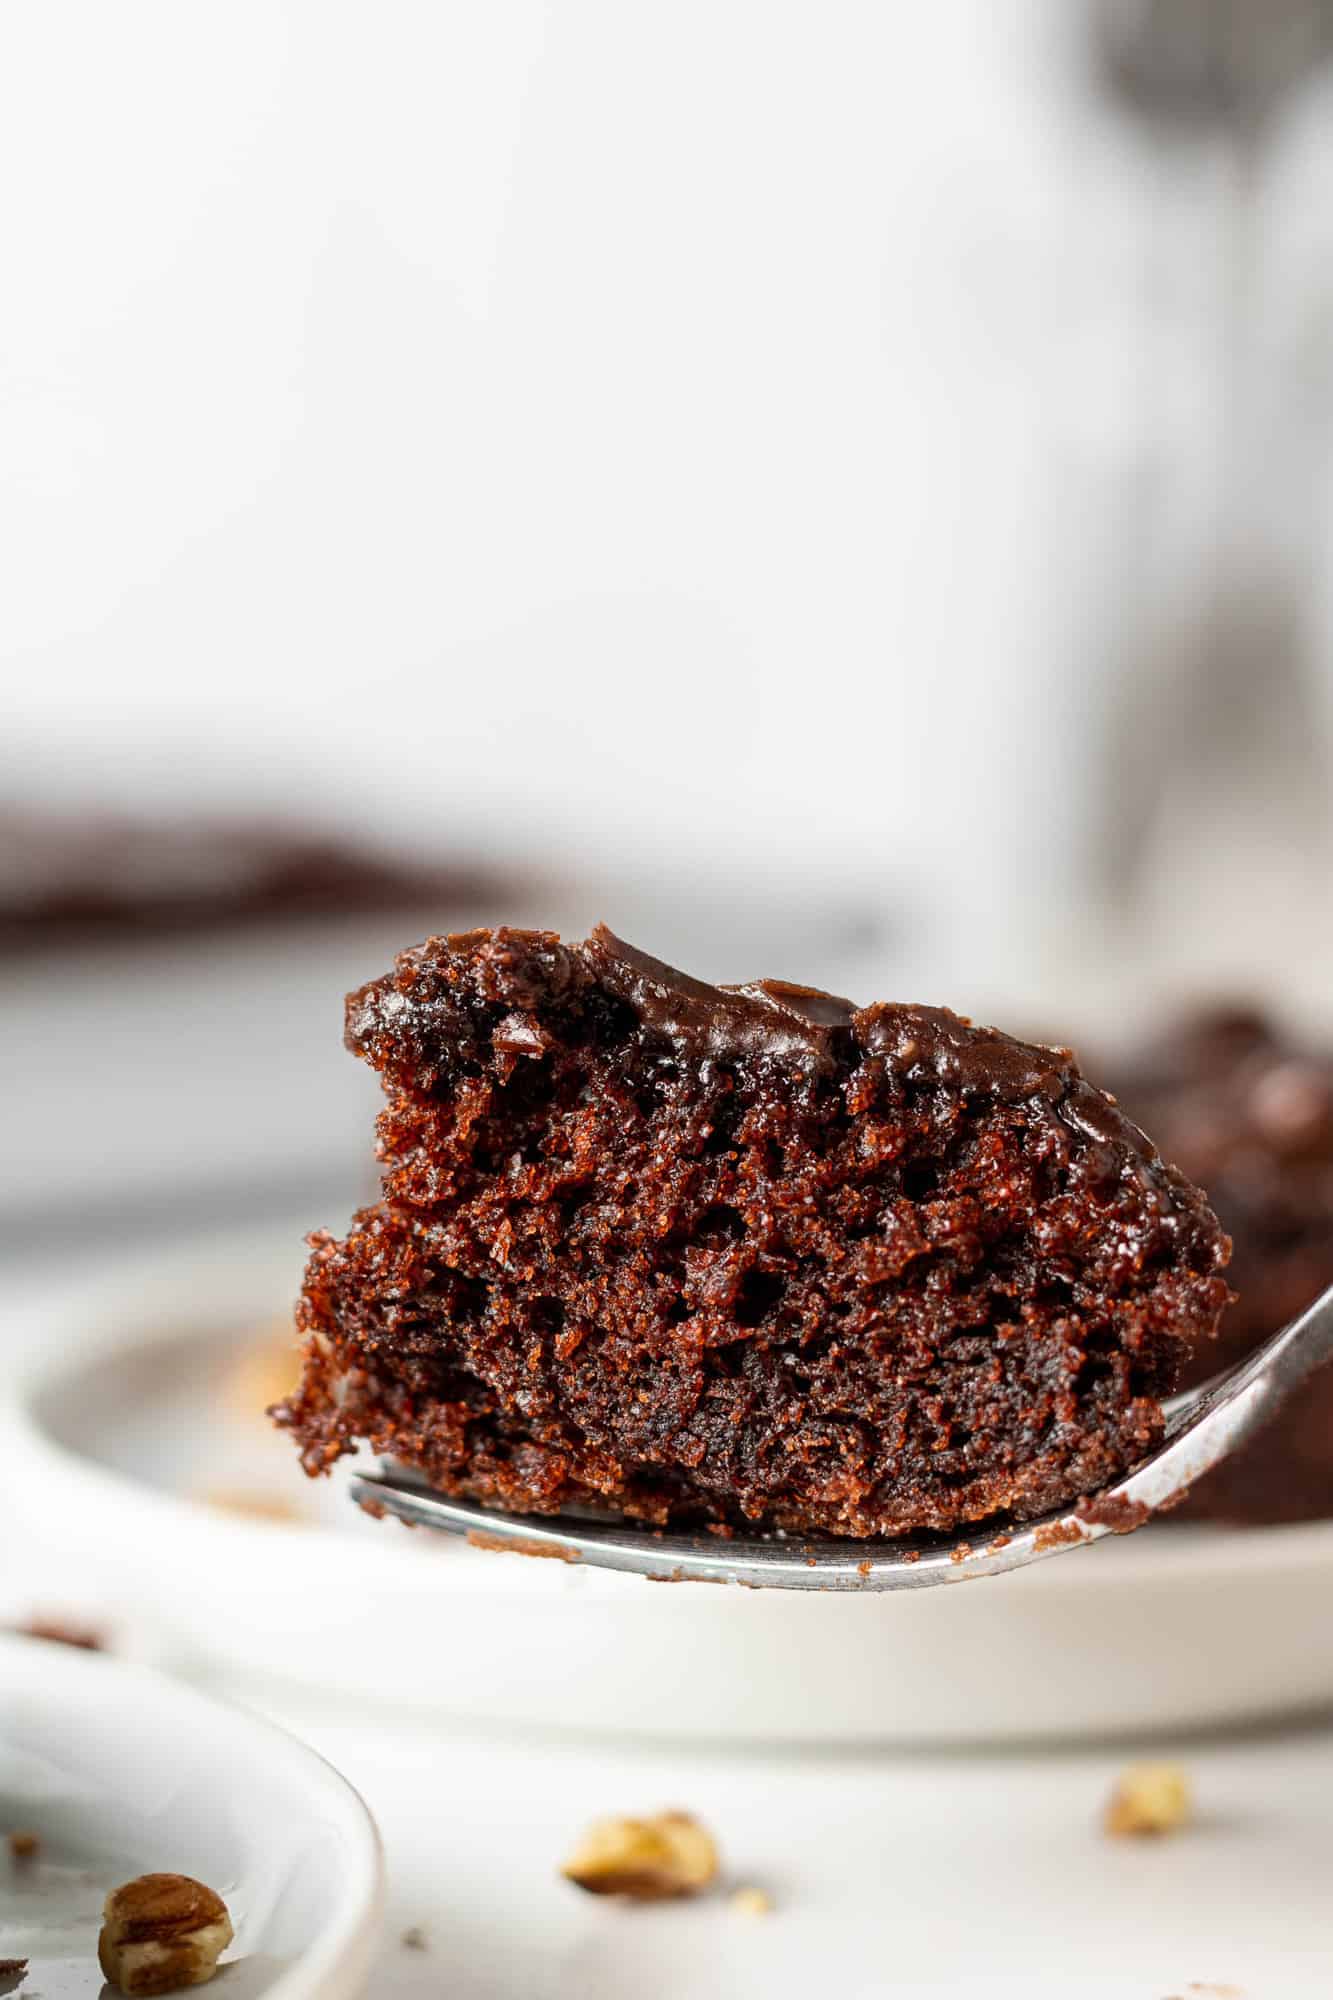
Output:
x=751 y=1902
x=63 y=1632
x=24 y=1846
x=267 y=1369
x=161 y=1932
x=1149 y=1798
x=250 y=1506
x=670 y=1854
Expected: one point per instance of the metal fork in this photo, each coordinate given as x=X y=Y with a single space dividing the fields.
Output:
x=1202 y=1428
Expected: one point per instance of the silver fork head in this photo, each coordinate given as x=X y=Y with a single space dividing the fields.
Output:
x=1201 y=1430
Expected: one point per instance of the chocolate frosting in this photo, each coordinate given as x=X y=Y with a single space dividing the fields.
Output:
x=772 y=1016
x=765 y=1017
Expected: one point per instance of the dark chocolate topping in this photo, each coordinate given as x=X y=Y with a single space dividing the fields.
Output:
x=767 y=1016
x=414 y=1008
x=774 y=1017
x=934 y=1043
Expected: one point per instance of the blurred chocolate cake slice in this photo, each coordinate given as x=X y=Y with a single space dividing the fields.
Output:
x=1246 y=1111
x=76 y=881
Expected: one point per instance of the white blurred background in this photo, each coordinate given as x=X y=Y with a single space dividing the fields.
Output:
x=837 y=491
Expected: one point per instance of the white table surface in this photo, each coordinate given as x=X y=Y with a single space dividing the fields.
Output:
x=976 y=1874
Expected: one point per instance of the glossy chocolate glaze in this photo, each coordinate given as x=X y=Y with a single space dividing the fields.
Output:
x=756 y=1019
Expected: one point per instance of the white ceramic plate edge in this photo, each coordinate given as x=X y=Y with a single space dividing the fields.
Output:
x=337 y=1965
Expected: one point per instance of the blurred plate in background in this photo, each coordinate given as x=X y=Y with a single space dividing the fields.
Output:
x=129 y=1455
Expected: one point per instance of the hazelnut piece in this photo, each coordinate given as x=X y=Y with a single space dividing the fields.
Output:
x=161 y=1932
x=670 y=1854
x=1149 y=1798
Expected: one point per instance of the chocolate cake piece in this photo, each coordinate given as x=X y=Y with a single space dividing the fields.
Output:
x=1247 y=1111
x=741 y=1256
x=82 y=881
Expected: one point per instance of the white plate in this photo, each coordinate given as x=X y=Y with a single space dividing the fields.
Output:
x=113 y=1424
x=121 y=1772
